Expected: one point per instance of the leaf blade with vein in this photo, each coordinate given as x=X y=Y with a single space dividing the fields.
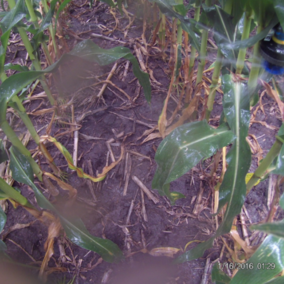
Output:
x=183 y=148
x=233 y=189
x=269 y=253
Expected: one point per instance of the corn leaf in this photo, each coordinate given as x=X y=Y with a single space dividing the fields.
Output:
x=224 y=29
x=236 y=110
x=279 y=8
x=11 y=19
x=183 y=148
x=276 y=228
x=277 y=280
x=281 y=201
x=3 y=247
x=279 y=167
x=7 y=191
x=266 y=263
x=3 y=219
x=47 y=20
x=167 y=8
x=279 y=170
x=218 y=276
x=61 y=8
x=75 y=229
x=263 y=10
x=16 y=67
x=3 y=154
x=233 y=189
x=86 y=50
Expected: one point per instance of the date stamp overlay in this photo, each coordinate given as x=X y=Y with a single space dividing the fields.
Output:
x=247 y=265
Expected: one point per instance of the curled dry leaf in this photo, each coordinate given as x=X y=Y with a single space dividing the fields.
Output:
x=151 y=137
x=274 y=95
x=255 y=147
x=16 y=227
x=53 y=232
x=112 y=165
x=185 y=114
x=162 y=123
x=49 y=186
x=63 y=185
x=164 y=251
x=80 y=171
x=234 y=233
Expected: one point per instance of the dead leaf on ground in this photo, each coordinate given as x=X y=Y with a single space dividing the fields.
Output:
x=53 y=232
x=164 y=251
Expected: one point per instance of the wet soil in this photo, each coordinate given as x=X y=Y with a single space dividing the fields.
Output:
x=102 y=206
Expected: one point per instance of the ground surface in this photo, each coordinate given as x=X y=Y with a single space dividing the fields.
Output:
x=102 y=206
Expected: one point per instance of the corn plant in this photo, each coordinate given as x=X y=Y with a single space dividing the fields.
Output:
x=22 y=165
x=186 y=145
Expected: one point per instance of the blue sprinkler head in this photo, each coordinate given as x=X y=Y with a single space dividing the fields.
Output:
x=272 y=50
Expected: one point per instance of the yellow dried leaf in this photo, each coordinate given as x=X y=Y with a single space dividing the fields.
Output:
x=249 y=176
x=53 y=232
x=164 y=251
x=63 y=185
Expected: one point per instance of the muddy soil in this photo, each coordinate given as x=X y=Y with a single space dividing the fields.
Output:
x=102 y=206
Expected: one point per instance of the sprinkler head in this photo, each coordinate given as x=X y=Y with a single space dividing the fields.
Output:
x=272 y=50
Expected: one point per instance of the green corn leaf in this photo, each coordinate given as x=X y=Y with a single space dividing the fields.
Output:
x=266 y=263
x=279 y=8
x=181 y=9
x=279 y=163
x=276 y=228
x=196 y=252
x=3 y=219
x=179 y=59
x=237 y=113
x=16 y=67
x=186 y=146
x=119 y=5
x=3 y=195
x=224 y=29
x=3 y=247
x=86 y=50
x=252 y=40
x=7 y=191
x=3 y=14
x=238 y=8
x=218 y=276
x=233 y=189
x=14 y=16
x=10 y=20
x=277 y=280
x=279 y=170
x=194 y=37
x=3 y=155
x=263 y=10
x=47 y=20
x=39 y=36
x=75 y=229
x=3 y=48
x=281 y=201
